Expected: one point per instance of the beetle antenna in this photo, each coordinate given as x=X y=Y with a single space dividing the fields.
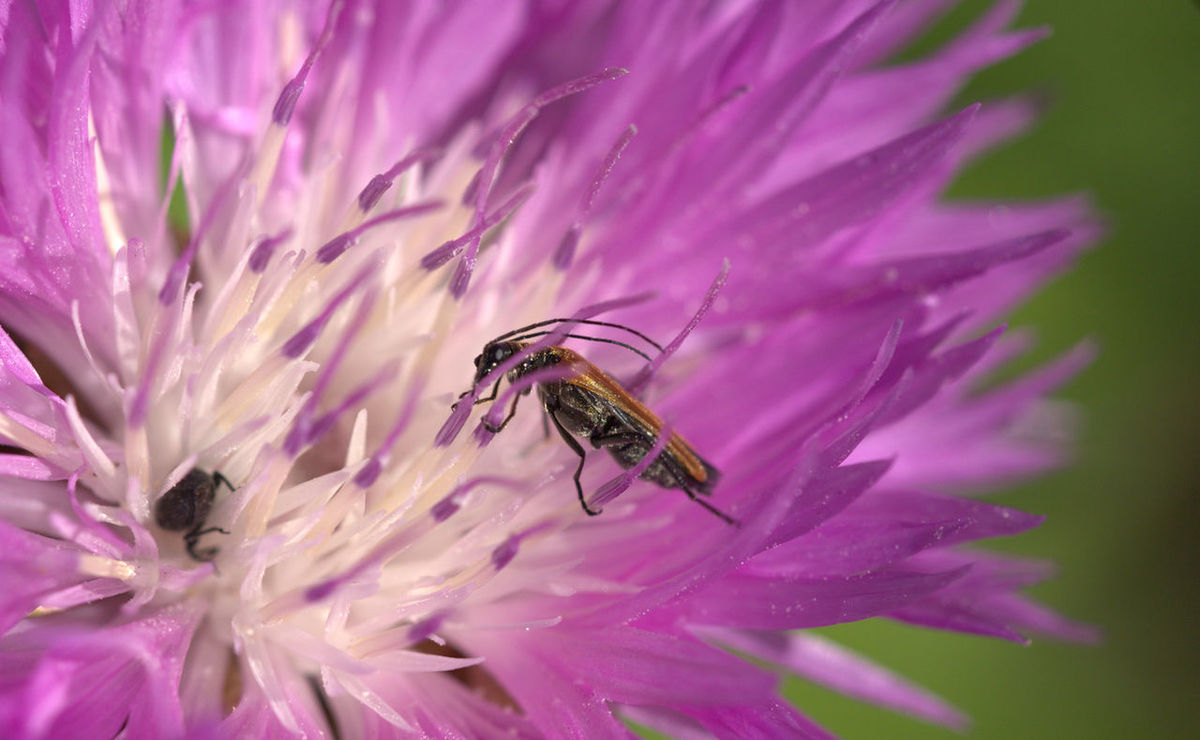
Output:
x=590 y=322
x=642 y=354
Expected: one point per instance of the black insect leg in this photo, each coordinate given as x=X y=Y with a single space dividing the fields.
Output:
x=692 y=495
x=578 y=448
x=222 y=479
x=464 y=394
x=202 y=556
x=495 y=390
x=193 y=537
x=512 y=411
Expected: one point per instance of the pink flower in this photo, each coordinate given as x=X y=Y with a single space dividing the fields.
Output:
x=375 y=190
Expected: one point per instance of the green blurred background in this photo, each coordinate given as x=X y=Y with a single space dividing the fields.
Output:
x=1124 y=76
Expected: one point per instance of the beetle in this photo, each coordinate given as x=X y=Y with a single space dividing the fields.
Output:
x=186 y=505
x=592 y=405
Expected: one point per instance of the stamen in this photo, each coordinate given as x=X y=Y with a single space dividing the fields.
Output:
x=264 y=249
x=370 y=472
x=450 y=249
x=472 y=188
x=87 y=531
x=285 y=105
x=445 y=508
x=423 y=629
x=163 y=333
x=622 y=482
x=308 y=432
x=566 y=248
x=655 y=180
x=178 y=273
x=505 y=552
x=451 y=503
x=380 y=183
x=334 y=248
x=330 y=366
x=302 y=340
x=707 y=115
x=509 y=134
x=305 y=431
x=644 y=376
x=565 y=253
x=455 y=422
x=400 y=539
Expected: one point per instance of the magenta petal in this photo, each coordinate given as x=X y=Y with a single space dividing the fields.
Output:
x=840 y=548
x=926 y=379
x=635 y=667
x=954 y=616
x=827 y=493
x=817 y=659
x=776 y=719
x=754 y=602
x=442 y=705
x=847 y=194
x=788 y=99
x=1027 y=615
x=551 y=701
x=669 y=722
x=96 y=682
x=31 y=567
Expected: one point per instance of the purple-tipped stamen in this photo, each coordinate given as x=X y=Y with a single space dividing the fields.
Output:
x=264 y=249
x=710 y=297
x=380 y=183
x=285 y=105
x=452 y=248
x=566 y=248
x=302 y=340
x=336 y=246
x=501 y=145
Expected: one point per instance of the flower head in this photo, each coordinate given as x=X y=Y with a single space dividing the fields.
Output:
x=238 y=492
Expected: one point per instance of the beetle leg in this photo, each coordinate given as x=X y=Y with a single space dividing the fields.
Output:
x=578 y=448
x=464 y=394
x=495 y=390
x=193 y=537
x=622 y=438
x=203 y=556
x=222 y=479
x=197 y=533
x=692 y=495
x=512 y=411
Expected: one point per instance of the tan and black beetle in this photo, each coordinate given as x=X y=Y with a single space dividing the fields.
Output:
x=591 y=405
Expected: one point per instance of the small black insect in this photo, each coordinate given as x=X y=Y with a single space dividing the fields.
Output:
x=186 y=506
x=592 y=405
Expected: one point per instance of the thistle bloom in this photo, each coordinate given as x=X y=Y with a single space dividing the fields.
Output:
x=373 y=191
